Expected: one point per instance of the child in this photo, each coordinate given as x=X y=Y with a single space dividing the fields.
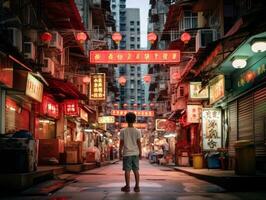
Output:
x=131 y=146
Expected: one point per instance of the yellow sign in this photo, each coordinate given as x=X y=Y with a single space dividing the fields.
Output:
x=34 y=88
x=216 y=88
x=83 y=115
x=194 y=113
x=97 y=87
x=106 y=120
x=196 y=92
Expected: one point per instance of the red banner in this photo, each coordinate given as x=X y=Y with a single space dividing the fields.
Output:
x=50 y=107
x=135 y=57
x=142 y=113
x=71 y=107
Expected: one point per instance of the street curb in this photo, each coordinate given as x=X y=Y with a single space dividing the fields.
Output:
x=238 y=183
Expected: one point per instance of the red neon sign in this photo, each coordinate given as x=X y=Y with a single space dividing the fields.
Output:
x=142 y=113
x=135 y=56
x=50 y=107
x=71 y=107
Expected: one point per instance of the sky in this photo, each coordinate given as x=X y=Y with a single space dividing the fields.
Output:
x=144 y=6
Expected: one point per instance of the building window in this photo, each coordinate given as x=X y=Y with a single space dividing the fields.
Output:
x=132 y=68
x=138 y=39
x=138 y=46
x=138 y=23
x=190 y=20
x=132 y=39
x=131 y=22
x=132 y=46
x=138 y=69
x=132 y=29
x=113 y=6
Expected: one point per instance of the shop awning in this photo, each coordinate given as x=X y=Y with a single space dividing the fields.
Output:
x=62 y=89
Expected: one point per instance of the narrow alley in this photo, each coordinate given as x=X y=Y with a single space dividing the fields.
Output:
x=157 y=183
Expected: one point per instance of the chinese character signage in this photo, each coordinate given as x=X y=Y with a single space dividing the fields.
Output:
x=136 y=125
x=134 y=56
x=83 y=115
x=216 y=89
x=141 y=113
x=71 y=107
x=50 y=107
x=97 y=87
x=34 y=88
x=194 y=113
x=211 y=128
x=106 y=120
x=160 y=124
x=196 y=92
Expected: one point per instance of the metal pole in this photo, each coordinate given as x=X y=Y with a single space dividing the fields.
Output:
x=2 y=110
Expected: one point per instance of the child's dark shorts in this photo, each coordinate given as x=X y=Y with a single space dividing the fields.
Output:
x=130 y=163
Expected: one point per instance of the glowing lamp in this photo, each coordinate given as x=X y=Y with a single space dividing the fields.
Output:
x=86 y=79
x=46 y=37
x=258 y=45
x=185 y=37
x=122 y=80
x=239 y=62
x=135 y=105
x=117 y=37
x=250 y=75
x=147 y=78
x=152 y=37
x=151 y=104
x=125 y=105
x=115 y=105
x=81 y=37
x=144 y=105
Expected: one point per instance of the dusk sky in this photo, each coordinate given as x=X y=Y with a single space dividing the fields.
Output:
x=143 y=5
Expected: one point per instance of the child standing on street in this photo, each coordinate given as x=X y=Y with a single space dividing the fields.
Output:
x=130 y=151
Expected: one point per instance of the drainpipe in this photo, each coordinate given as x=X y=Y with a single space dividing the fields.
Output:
x=2 y=110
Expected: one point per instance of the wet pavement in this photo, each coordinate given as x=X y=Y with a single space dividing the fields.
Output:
x=157 y=183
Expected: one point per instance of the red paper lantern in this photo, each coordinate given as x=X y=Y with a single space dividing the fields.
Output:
x=185 y=37
x=81 y=37
x=144 y=105
x=135 y=105
x=125 y=105
x=151 y=104
x=115 y=105
x=46 y=37
x=117 y=37
x=122 y=80
x=152 y=37
x=147 y=78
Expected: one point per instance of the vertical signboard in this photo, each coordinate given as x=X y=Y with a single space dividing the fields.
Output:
x=194 y=113
x=97 y=87
x=34 y=88
x=216 y=88
x=211 y=128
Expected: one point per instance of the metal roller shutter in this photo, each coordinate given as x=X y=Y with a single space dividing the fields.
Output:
x=232 y=127
x=245 y=118
x=260 y=121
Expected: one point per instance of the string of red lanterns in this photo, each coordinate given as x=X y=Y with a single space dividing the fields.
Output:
x=122 y=80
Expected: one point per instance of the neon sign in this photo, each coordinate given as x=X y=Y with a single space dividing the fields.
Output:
x=135 y=56
x=142 y=113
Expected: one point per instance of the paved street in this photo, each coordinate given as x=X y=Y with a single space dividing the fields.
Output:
x=156 y=183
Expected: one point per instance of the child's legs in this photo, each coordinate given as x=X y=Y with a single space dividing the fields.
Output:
x=135 y=168
x=136 y=174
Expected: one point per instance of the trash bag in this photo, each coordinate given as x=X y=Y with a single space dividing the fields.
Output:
x=22 y=134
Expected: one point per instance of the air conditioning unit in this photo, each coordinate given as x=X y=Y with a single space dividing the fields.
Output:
x=57 y=41
x=29 y=50
x=204 y=37
x=48 y=66
x=15 y=36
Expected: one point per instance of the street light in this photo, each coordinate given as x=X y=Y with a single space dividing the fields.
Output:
x=258 y=45
x=239 y=62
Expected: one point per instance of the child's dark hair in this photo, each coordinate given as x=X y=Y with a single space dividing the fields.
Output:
x=130 y=117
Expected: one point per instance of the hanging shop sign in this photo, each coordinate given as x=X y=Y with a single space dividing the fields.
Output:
x=83 y=115
x=134 y=56
x=196 y=92
x=160 y=124
x=71 y=107
x=211 y=128
x=106 y=120
x=34 y=88
x=97 y=87
x=217 y=88
x=194 y=113
x=50 y=107
x=175 y=75
x=136 y=125
x=140 y=113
